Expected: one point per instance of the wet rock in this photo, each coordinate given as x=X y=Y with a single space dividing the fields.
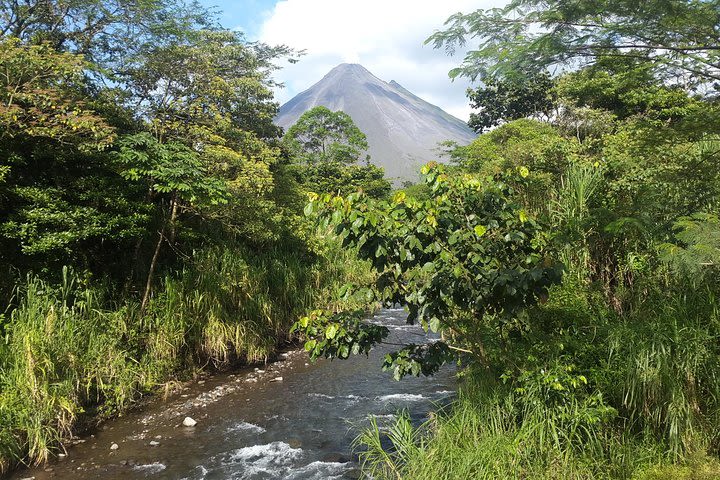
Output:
x=277 y=379
x=294 y=443
x=189 y=422
x=114 y=446
x=335 y=457
x=154 y=443
x=123 y=463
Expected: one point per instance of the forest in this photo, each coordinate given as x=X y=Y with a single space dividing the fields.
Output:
x=155 y=223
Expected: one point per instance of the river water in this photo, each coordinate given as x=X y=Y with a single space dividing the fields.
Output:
x=291 y=419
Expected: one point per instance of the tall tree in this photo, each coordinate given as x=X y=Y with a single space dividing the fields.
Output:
x=680 y=38
x=503 y=100
x=326 y=147
x=106 y=32
x=321 y=135
x=206 y=101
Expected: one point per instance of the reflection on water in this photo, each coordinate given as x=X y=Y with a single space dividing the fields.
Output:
x=299 y=426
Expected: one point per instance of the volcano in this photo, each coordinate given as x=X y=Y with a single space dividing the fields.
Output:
x=402 y=129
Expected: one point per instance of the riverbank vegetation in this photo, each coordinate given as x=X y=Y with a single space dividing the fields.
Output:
x=568 y=257
x=151 y=218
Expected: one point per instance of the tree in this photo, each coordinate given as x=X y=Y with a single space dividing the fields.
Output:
x=465 y=263
x=105 y=32
x=206 y=102
x=333 y=177
x=321 y=135
x=168 y=168
x=41 y=95
x=679 y=38
x=626 y=87
x=327 y=146
x=59 y=199
x=503 y=100
x=131 y=146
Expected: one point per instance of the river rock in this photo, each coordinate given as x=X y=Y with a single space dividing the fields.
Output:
x=114 y=446
x=189 y=422
x=277 y=379
x=335 y=457
x=154 y=443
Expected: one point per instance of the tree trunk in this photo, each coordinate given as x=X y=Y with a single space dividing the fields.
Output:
x=151 y=272
x=173 y=217
x=156 y=255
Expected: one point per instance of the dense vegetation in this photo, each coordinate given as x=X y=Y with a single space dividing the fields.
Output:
x=568 y=257
x=152 y=221
x=151 y=216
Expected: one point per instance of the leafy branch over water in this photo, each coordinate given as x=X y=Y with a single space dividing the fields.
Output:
x=465 y=263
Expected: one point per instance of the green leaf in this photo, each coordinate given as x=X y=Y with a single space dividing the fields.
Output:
x=428 y=267
x=331 y=331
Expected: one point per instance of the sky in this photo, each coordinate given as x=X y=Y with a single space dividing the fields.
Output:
x=385 y=36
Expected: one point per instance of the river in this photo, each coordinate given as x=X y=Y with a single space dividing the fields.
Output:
x=291 y=419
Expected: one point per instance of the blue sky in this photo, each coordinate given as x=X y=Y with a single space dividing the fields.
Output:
x=245 y=15
x=385 y=36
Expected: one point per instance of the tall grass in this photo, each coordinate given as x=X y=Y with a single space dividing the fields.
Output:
x=487 y=434
x=570 y=213
x=666 y=356
x=61 y=353
x=585 y=393
x=492 y=432
x=69 y=355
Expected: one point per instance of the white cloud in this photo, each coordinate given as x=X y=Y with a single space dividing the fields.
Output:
x=385 y=36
